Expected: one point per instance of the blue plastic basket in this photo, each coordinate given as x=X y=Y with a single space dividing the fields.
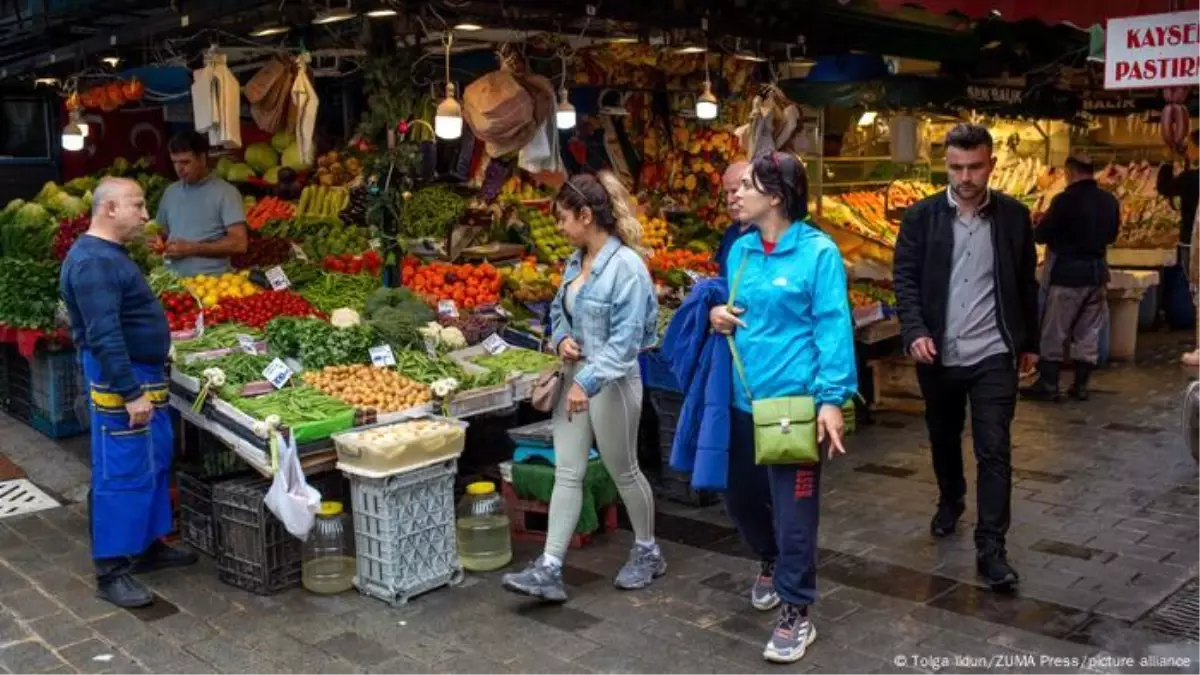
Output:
x=57 y=383
x=62 y=428
x=656 y=372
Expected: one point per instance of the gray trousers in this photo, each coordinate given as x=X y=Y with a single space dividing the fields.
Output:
x=1075 y=316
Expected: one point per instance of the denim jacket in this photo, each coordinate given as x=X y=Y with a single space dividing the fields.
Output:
x=615 y=317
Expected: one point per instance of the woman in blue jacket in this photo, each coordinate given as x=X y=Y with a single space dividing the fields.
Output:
x=603 y=315
x=792 y=329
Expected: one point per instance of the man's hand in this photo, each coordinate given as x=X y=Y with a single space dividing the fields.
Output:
x=577 y=399
x=179 y=248
x=831 y=425
x=1028 y=364
x=923 y=350
x=140 y=410
x=724 y=319
x=569 y=350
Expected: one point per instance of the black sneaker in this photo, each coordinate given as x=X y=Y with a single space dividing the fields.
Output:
x=946 y=519
x=123 y=591
x=994 y=568
x=160 y=556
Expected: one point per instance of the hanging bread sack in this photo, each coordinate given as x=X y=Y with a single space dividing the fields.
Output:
x=500 y=112
x=268 y=93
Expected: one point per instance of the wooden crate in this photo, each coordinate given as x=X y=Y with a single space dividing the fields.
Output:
x=896 y=387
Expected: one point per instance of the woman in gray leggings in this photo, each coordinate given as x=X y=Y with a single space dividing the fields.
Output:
x=604 y=313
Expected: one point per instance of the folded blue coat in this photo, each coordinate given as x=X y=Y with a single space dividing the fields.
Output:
x=702 y=366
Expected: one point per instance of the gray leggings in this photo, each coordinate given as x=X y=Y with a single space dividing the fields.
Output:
x=611 y=422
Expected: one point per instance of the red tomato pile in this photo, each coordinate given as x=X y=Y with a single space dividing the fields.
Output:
x=182 y=310
x=68 y=232
x=258 y=309
x=369 y=262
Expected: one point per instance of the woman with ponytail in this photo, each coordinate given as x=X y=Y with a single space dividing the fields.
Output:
x=603 y=315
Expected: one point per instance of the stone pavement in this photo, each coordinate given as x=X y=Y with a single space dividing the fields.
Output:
x=1104 y=533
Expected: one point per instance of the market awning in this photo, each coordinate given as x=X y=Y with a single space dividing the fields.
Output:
x=1077 y=12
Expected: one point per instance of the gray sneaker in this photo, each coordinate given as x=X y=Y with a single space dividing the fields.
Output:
x=646 y=563
x=539 y=580
x=762 y=595
x=793 y=634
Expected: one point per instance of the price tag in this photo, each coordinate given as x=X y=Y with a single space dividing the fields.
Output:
x=247 y=344
x=277 y=373
x=494 y=344
x=382 y=356
x=448 y=308
x=692 y=275
x=299 y=252
x=431 y=347
x=278 y=279
x=504 y=313
x=200 y=322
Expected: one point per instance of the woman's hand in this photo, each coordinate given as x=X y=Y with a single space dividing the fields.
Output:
x=831 y=425
x=569 y=350
x=724 y=319
x=577 y=399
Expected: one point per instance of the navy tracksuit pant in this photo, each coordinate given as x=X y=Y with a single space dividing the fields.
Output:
x=775 y=509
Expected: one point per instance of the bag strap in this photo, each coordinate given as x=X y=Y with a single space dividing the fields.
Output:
x=737 y=359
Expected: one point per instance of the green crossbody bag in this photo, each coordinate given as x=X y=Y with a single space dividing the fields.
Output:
x=785 y=428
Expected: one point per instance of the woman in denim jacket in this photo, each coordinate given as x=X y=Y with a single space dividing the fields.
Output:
x=603 y=315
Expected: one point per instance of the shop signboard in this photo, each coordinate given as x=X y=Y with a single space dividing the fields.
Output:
x=1152 y=51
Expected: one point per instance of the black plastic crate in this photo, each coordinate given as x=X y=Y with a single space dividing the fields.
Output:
x=254 y=551
x=203 y=455
x=195 y=519
x=670 y=485
x=18 y=401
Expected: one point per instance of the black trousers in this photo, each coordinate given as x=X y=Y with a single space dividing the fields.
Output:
x=990 y=389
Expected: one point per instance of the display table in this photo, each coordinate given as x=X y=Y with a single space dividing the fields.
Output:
x=1125 y=291
x=1149 y=258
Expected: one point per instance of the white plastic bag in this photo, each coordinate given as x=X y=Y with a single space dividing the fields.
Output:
x=293 y=501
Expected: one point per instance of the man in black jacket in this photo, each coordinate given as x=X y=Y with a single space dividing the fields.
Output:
x=967 y=295
x=1078 y=228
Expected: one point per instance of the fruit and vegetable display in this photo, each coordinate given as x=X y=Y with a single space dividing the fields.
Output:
x=370 y=262
x=293 y=406
x=263 y=252
x=866 y=292
x=548 y=241
x=28 y=293
x=214 y=290
x=334 y=290
x=268 y=209
x=259 y=309
x=514 y=360
x=430 y=212
x=678 y=268
x=397 y=316
x=427 y=369
x=530 y=281
x=1148 y=220
x=239 y=369
x=469 y=286
x=323 y=201
x=874 y=214
x=380 y=389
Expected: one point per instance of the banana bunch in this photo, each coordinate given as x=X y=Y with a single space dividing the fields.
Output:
x=321 y=200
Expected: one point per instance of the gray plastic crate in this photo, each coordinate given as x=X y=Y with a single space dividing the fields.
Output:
x=404 y=532
x=481 y=401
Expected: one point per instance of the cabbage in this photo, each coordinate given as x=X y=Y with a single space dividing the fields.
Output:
x=239 y=173
x=292 y=158
x=48 y=190
x=66 y=207
x=80 y=186
x=13 y=206
x=281 y=140
x=344 y=318
x=261 y=157
x=223 y=166
x=32 y=214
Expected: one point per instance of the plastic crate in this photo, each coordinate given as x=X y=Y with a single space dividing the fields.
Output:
x=19 y=399
x=57 y=385
x=404 y=532
x=254 y=551
x=481 y=401
x=656 y=372
x=63 y=428
x=671 y=485
x=195 y=522
x=538 y=434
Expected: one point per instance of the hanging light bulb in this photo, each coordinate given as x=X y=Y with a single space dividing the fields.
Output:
x=334 y=15
x=706 y=104
x=468 y=27
x=269 y=29
x=111 y=61
x=72 y=137
x=380 y=11
x=448 y=122
x=77 y=120
x=564 y=117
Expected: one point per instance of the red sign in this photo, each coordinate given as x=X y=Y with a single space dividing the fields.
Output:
x=1159 y=50
x=132 y=134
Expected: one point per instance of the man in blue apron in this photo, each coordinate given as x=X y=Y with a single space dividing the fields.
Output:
x=121 y=331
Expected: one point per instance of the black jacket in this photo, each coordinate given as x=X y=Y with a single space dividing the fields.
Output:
x=924 y=258
x=1078 y=228
x=1186 y=186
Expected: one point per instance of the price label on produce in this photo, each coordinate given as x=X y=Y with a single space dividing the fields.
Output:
x=692 y=275
x=277 y=373
x=278 y=279
x=382 y=356
x=299 y=252
x=495 y=344
x=431 y=347
x=247 y=344
x=448 y=308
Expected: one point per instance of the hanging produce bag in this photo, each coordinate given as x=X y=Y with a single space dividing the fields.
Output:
x=293 y=501
x=505 y=110
x=269 y=92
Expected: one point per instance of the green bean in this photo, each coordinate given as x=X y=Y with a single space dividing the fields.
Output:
x=217 y=337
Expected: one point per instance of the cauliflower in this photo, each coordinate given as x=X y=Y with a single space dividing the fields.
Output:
x=344 y=318
x=452 y=338
x=444 y=387
x=431 y=330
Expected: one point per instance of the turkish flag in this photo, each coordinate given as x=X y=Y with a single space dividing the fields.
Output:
x=130 y=133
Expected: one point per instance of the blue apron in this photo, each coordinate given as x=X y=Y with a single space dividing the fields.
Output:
x=131 y=466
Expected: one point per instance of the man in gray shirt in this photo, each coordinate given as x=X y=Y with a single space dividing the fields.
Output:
x=967 y=296
x=202 y=216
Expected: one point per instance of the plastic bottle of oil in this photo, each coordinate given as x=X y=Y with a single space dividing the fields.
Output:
x=328 y=563
x=484 y=538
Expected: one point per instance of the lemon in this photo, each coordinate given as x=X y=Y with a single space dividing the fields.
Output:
x=209 y=300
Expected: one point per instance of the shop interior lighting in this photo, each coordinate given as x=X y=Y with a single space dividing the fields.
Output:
x=448 y=122
x=47 y=81
x=111 y=61
x=564 y=116
x=77 y=120
x=706 y=104
x=269 y=29
x=868 y=118
x=691 y=49
x=72 y=137
x=381 y=11
x=468 y=27
x=622 y=40
x=331 y=15
x=746 y=55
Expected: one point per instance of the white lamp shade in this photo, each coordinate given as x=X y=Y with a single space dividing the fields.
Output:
x=565 y=118
x=706 y=110
x=448 y=127
x=72 y=140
